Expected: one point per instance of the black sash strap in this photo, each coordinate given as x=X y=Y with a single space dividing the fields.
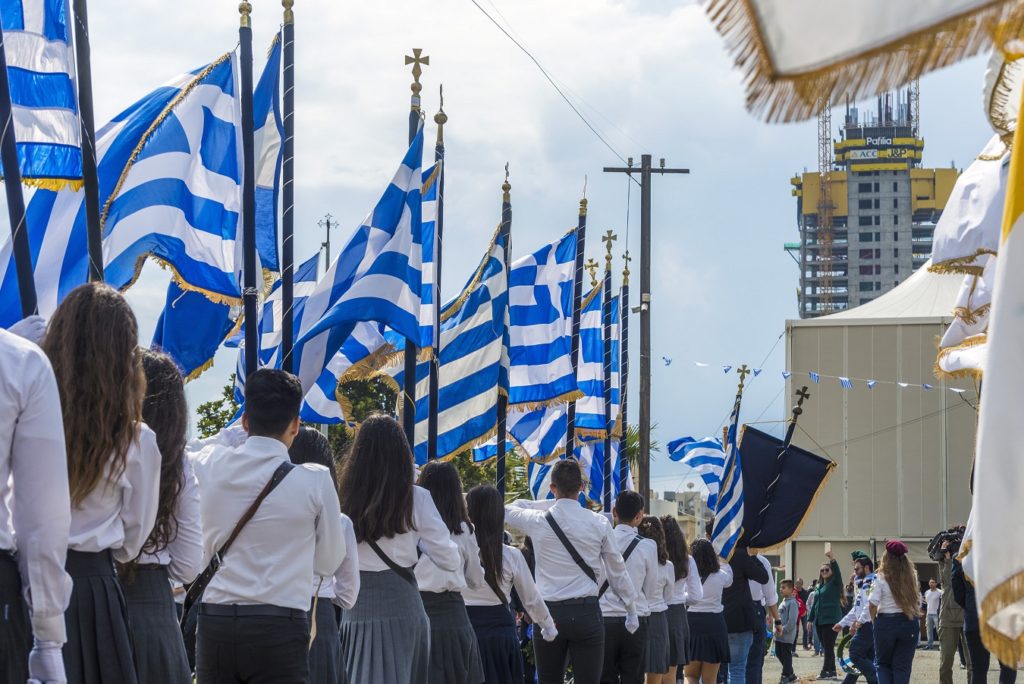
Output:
x=404 y=573
x=625 y=557
x=587 y=570
x=195 y=591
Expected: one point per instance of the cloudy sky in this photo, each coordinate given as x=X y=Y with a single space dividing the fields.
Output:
x=651 y=75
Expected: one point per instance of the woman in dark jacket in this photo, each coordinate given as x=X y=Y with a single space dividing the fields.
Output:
x=827 y=611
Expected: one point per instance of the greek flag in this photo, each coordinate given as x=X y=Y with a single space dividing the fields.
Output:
x=431 y=178
x=539 y=480
x=815 y=378
x=191 y=328
x=706 y=457
x=323 y=403
x=590 y=422
x=268 y=136
x=846 y=383
x=540 y=325
x=56 y=220
x=178 y=199
x=376 y=277
x=471 y=360
x=728 y=528
x=44 y=91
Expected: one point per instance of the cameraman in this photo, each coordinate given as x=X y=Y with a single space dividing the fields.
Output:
x=951 y=613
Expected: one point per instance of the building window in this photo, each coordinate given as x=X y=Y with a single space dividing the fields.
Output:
x=863 y=187
x=896 y=283
x=896 y=219
x=865 y=300
x=864 y=204
x=866 y=287
x=876 y=187
x=895 y=251
x=878 y=253
x=878 y=269
x=878 y=236
x=895 y=236
x=878 y=220
x=866 y=270
x=865 y=220
x=867 y=254
x=895 y=202
x=896 y=268
x=866 y=237
x=895 y=186
x=877 y=204
x=878 y=285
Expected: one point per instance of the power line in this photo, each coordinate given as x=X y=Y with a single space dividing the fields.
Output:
x=550 y=80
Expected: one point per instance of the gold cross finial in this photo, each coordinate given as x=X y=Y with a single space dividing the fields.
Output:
x=802 y=395
x=625 y=270
x=418 y=61
x=245 y=9
x=608 y=239
x=591 y=266
x=506 y=187
x=743 y=372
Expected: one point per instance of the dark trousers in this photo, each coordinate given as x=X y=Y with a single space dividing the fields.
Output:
x=15 y=632
x=784 y=652
x=623 y=652
x=580 y=642
x=255 y=649
x=896 y=638
x=755 y=657
x=981 y=659
x=828 y=646
x=862 y=654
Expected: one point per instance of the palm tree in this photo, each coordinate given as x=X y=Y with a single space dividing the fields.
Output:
x=633 y=446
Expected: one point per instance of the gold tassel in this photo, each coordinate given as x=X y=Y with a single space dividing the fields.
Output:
x=560 y=400
x=453 y=308
x=972 y=341
x=1006 y=649
x=965 y=264
x=54 y=184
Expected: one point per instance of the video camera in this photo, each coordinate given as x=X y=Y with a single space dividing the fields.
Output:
x=954 y=536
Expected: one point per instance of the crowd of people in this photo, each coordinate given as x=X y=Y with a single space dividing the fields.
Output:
x=132 y=554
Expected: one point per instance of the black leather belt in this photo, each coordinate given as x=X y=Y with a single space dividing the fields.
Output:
x=260 y=610
x=583 y=601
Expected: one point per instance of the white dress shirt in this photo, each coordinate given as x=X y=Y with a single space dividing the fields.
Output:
x=429 y=535
x=119 y=515
x=765 y=594
x=35 y=507
x=514 y=573
x=688 y=589
x=881 y=597
x=714 y=585
x=558 y=576
x=642 y=566
x=665 y=584
x=346 y=578
x=184 y=555
x=470 y=573
x=295 y=534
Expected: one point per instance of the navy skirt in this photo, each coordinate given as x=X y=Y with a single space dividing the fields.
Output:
x=159 y=649
x=454 y=653
x=678 y=635
x=709 y=637
x=656 y=653
x=500 y=651
x=325 y=653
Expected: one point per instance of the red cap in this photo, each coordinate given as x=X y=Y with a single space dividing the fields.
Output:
x=896 y=547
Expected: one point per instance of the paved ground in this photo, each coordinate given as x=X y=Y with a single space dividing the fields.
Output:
x=926 y=669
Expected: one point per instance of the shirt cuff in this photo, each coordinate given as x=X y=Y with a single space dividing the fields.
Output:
x=49 y=628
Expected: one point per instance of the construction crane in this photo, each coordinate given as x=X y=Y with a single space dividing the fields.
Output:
x=826 y=207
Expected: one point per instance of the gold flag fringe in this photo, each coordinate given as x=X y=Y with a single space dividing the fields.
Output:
x=453 y=308
x=1005 y=648
x=432 y=178
x=590 y=432
x=209 y=364
x=561 y=399
x=54 y=184
x=215 y=297
x=590 y=297
x=368 y=367
x=780 y=97
x=972 y=341
x=966 y=265
x=807 y=513
x=1002 y=99
x=472 y=444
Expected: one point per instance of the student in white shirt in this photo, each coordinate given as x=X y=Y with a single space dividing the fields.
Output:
x=454 y=653
x=174 y=550
x=35 y=514
x=895 y=605
x=385 y=637
x=658 y=647
x=488 y=606
x=709 y=636
x=113 y=466
x=253 y=618
x=623 y=650
x=339 y=589
x=571 y=589
x=685 y=588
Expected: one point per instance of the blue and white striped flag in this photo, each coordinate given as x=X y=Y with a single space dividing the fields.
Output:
x=56 y=220
x=470 y=362
x=44 y=91
x=540 y=330
x=847 y=383
x=815 y=378
x=268 y=137
x=728 y=527
x=590 y=422
x=539 y=478
x=323 y=403
x=786 y=375
x=706 y=457
x=428 y=295
x=871 y=384
x=376 y=277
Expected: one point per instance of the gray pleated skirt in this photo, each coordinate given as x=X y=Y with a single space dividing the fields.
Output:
x=99 y=646
x=678 y=635
x=454 y=651
x=385 y=636
x=159 y=649
x=325 y=654
x=656 y=653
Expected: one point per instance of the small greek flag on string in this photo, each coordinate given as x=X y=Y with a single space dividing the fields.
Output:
x=926 y=387
x=786 y=375
x=903 y=384
x=726 y=369
x=846 y=383
x=757 y=371
x=872 y=383
x=815 y=378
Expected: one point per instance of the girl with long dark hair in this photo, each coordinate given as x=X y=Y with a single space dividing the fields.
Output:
x=709 y=637
x=114 y=465
x=658 y=648
x=686 y=588
x=385 y=636
x=895 y=605
x=174 y=550
x=454 y=654
x=488 y=607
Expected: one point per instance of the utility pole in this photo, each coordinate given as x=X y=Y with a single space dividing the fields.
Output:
x=326 y=224
x=645 y=172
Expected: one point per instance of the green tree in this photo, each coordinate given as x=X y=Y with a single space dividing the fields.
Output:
x=214 y=416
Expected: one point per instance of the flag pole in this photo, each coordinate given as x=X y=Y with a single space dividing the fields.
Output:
x=624 y=373
x=418 y=60
x=15 y=198
x=90 y=180
x=248 y=191
x=577 y=301
x=288 y=190
x=606 y=315
x=506 y=234
x=433 y=402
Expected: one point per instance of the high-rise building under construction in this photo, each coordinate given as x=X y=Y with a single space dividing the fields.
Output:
x=866 y=217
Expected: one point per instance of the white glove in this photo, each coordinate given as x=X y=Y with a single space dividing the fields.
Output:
x=45 y=663
x=632 y=623
x=32 y=328
x=549 y=633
